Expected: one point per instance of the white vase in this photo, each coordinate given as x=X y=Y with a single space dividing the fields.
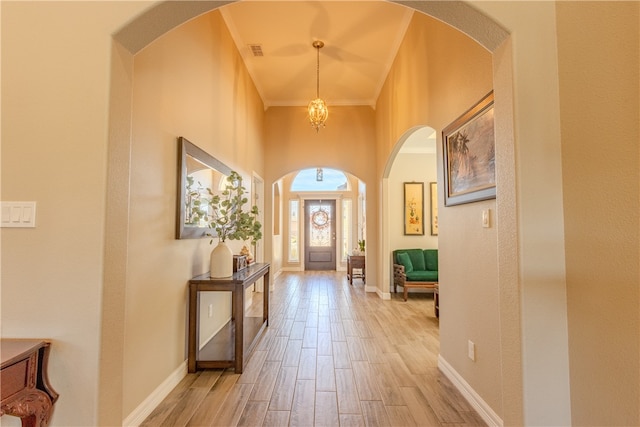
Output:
x=221 y=261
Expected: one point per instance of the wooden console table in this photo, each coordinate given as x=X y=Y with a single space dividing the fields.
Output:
x=227 y=348
x=26 y=392
x=355 y=261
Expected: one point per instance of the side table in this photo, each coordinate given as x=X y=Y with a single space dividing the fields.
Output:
x=229 y=346
x=357 y=262
x=26 y=392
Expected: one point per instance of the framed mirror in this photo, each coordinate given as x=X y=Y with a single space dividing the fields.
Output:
x=198 y=172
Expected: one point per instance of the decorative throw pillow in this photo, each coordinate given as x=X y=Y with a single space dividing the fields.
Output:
x=403 y=258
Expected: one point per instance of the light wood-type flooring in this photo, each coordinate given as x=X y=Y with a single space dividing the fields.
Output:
x=333 y=355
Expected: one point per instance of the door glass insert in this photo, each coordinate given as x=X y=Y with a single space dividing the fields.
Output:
x=320 y=217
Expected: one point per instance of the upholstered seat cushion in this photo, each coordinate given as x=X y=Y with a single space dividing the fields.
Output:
x=422 y=276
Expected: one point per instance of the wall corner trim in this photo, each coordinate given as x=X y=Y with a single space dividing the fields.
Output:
x=382 y=295
x=483 y=409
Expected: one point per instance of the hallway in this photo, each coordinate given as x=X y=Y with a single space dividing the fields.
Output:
x=332 y=355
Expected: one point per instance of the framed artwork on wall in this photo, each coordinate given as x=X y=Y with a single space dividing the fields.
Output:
x=434 y=208
x=413 y=208
x=469 y=155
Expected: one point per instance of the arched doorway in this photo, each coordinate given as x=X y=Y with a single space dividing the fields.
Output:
x=412 y=160
x=307 y=194
x=476 y=25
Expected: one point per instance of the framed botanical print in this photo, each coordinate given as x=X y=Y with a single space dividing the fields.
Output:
x=413 y=208
x=433 y=187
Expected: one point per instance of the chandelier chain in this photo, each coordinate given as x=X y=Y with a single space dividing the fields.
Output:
x=318 y=72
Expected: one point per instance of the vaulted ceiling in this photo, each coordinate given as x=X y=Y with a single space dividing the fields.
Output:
x=361 y=40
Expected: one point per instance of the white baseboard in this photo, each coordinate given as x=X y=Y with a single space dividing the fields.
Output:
x=138 y=415
x=474 y=399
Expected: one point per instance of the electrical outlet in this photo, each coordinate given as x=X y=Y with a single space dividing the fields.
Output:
x=210 y=310
x=472 y=351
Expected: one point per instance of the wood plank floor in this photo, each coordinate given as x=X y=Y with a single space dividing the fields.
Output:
x=333 y=355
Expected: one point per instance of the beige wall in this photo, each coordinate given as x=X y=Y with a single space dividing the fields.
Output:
x=191 y=82
x=59 y=122
x=600 y=152
x=539 y=219
x=55 y=109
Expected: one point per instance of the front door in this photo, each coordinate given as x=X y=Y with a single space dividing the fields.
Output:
x=320 y=235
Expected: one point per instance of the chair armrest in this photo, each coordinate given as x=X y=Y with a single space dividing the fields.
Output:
x=399 y=276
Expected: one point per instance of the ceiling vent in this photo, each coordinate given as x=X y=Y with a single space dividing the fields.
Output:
x=256 y=50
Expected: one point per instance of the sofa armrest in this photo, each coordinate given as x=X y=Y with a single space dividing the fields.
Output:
x=399 y=276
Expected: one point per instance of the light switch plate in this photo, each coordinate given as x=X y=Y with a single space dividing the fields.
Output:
x=486 y=218
x=18 y=215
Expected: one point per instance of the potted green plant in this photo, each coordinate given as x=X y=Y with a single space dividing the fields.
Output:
x=227 y=217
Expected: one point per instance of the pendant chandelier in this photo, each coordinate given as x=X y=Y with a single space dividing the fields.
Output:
x=318 y=112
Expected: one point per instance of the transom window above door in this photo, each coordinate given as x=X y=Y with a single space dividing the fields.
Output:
x=320 y=179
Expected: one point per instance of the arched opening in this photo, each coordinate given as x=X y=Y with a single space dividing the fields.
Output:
x=306 y=194
x=467 y=19
x=559 y=51
x=414 y=159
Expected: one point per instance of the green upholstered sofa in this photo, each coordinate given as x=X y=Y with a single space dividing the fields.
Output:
x=415 y=268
